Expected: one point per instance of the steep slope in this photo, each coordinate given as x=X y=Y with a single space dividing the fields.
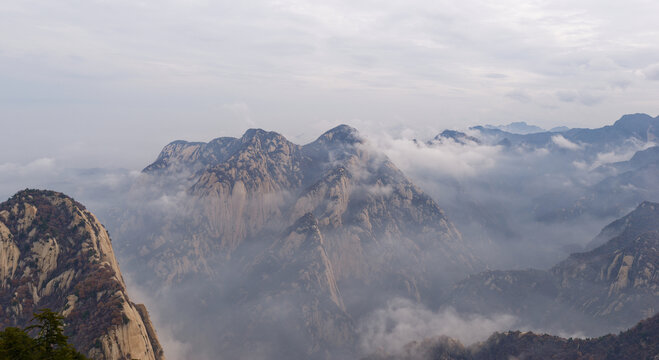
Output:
x=55 y=254
x=639 y=342
x=605 y=289
x=362 y=202
x=637 y=222
x=322 y=232
x=293 y=283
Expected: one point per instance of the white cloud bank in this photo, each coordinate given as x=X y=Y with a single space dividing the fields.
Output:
x=564 y=143
x=403 y=321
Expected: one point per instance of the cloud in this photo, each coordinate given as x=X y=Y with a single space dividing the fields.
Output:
x=296 y=63
x=582 y=97
x=172 y=346
x=36 y=166
x=448 y=158
x=652 y=72
x=564 y=143
x=519 y=95
x=402 y=321
x=17 y=176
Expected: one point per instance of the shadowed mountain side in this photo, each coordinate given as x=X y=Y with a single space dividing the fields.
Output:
x=293 y=286
x=55 y=254
x=639 y=342
x=602 y=290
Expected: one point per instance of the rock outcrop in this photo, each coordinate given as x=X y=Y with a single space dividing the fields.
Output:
x=55 y=254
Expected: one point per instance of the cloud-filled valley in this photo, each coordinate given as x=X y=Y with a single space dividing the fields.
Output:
x=219 y=249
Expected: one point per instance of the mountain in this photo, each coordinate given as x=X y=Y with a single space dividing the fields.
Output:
x=639 y=342
x=641 y=127
x=332 y=227
x=456 y=136
x=605 y=289
x=638 y=222
x=295 y=271
x=519 y=127
x=55 y=254
x=640 y=159
x=262 y=183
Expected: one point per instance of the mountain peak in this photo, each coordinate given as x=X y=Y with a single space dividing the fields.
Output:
x=342 y=134
x=638 y=121
x=260 y=134
x=647 y=205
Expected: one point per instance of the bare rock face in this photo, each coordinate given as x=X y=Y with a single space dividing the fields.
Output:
x=293 y=285
x=329 y=229
x=605 y=289
x=55 y=254
x=251 y=188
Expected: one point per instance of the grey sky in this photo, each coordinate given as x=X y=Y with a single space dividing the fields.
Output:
x=108 y=83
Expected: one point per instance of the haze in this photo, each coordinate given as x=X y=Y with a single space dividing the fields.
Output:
x=108 y=83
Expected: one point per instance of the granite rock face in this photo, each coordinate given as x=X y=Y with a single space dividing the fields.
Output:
x=251 y=188
x=332 y=227
x=55 y=254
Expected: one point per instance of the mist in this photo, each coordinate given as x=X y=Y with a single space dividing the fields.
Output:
x=401 y=321
x=203 y=298
x=505 y=200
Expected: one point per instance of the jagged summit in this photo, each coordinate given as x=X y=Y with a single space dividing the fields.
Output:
x=254 y=135
x=341 y=134
x=196 y=156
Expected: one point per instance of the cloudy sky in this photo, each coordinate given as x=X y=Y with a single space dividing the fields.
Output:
x=108 y=83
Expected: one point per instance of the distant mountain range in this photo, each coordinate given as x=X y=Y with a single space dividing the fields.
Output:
x=636 y=126
x=519 y=127
x=572 y=182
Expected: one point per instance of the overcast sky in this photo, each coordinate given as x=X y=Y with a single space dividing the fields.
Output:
x=108 y=83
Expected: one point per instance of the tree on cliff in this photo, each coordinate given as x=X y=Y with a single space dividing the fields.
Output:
x=50 y=342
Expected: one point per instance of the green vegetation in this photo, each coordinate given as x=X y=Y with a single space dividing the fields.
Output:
x=50 y=342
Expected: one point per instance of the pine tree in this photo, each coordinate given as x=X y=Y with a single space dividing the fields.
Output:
x=50 y=343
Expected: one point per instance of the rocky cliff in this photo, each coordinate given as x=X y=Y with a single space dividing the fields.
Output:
x=55 y=254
